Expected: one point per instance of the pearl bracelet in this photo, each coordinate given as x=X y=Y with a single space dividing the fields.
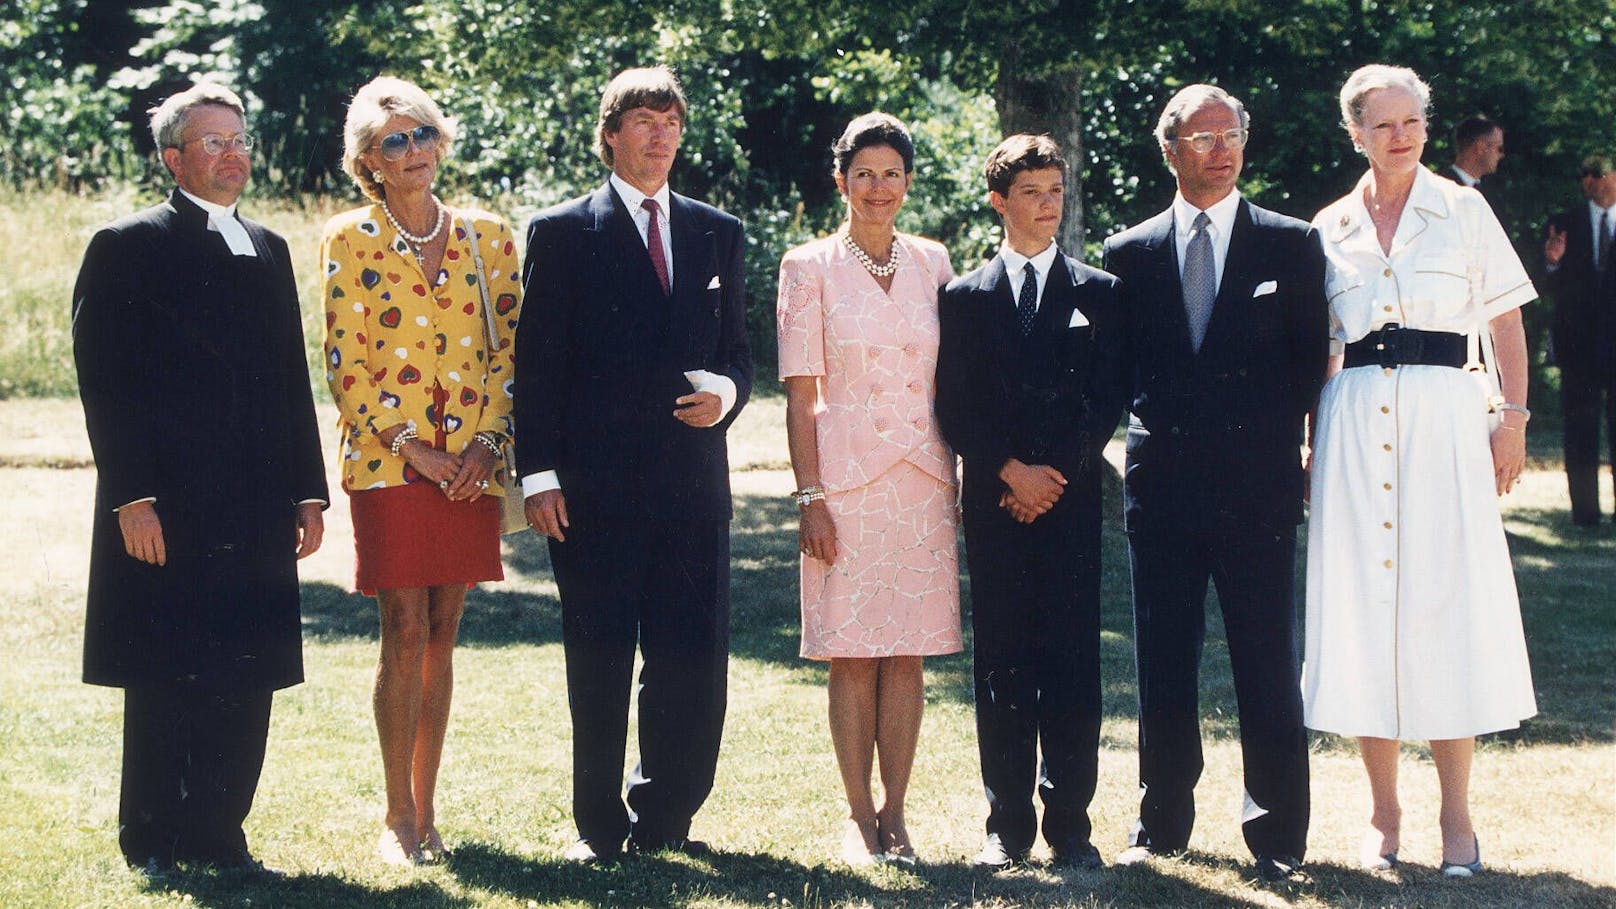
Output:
x=407 y=434
x=489 y=441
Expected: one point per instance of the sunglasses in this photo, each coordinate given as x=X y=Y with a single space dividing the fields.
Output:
x=1233 y=140
x=394 y=146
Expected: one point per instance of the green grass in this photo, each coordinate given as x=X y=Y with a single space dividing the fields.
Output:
x=1545 y=797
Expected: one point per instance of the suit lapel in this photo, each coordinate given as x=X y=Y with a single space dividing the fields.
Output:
x=692 y=256
x=1162 y=244
x=1235 y=288
x=621 y=241
x=1055 y=306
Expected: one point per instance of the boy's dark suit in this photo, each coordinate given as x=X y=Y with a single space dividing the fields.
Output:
x=1213 y=489
x=600 y=359
x=1053 y=397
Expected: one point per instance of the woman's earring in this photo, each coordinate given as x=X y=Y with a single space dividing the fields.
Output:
x=379 y=176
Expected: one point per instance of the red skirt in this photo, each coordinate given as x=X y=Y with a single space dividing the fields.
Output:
x=413 y=536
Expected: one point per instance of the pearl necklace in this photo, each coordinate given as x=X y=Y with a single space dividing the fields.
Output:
x=410 y=238
x=880 y=271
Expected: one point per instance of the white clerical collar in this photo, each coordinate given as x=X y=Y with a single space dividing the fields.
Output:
x=1014 y=262
x=633 y=197
x=1221 y=213
x=222 y=218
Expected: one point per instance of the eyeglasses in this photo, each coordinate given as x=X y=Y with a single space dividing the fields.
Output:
x=396 y=145
x=1594 y=174
x=215 y=144
x=1233 y=140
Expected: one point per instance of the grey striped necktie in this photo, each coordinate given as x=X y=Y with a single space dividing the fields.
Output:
x=1200 y=281
x=1603 y=242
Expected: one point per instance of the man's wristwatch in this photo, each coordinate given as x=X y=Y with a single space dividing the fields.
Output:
x=808 y=495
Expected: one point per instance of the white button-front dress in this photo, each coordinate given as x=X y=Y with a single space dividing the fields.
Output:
x=1413 y=622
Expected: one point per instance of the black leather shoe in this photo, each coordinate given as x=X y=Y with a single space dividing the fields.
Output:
x=1274 y=868
x=1082 y=856
x=683 y=846
x=994 y=855
x=585 y=852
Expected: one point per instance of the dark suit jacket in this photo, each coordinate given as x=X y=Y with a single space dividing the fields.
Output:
x=195 y=385
x=1584 y=310
x=1214 y=436
x=601 y=355
x=1052 y=397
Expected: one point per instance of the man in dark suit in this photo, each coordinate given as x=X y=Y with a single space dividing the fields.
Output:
x=1228 y=344
x=1581 y=280
x=1478 y=146
x=632 y=362
x=209 y=487
x=1028 y=392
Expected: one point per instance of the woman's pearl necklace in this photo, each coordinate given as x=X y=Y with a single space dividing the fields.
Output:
x=880 y=271
x=410 y=238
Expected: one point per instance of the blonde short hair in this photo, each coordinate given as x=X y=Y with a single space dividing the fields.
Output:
x=1376 y=76
x=378 y=101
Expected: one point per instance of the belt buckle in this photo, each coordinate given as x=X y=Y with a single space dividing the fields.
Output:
x=1388 y=345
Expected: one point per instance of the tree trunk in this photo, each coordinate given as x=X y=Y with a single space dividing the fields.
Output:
x=1042 y=97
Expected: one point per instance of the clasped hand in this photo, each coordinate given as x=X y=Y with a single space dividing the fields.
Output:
x=462 y=477
x=1034 y=489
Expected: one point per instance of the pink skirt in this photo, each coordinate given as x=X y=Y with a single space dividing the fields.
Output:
x=412 y=536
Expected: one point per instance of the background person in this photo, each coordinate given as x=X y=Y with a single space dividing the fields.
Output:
x=189 y=347
x=1413 y=626
x=1580 y=281
x=425 y=397
x=858 y=330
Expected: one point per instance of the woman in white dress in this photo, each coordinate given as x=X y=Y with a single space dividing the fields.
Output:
x=1413 y=624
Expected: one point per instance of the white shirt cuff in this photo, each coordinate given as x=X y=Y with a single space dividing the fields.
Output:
x=723 y=386
x=135 y=502
x=543 y=481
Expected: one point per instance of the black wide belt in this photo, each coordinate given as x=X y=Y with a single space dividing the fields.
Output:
x=1393 y=345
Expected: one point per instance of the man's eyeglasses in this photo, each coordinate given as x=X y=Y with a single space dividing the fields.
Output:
x=215 y=144
x=396 y=145
x=1594 y=174
x=1233 y=140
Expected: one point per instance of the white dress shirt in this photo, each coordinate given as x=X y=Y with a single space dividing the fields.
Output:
x=1464 y=177
x=1015 y=267
x=1221 y=214
x=642 y=219
x=1594 y=214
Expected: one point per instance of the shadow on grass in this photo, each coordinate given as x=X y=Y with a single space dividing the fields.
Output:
x=494 y=617
x=304 y=891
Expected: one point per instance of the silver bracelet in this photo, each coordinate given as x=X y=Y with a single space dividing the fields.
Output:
x=808 y=495
x=1518 y=408
x=407 y=434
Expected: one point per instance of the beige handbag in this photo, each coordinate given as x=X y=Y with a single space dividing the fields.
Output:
x=513 y=516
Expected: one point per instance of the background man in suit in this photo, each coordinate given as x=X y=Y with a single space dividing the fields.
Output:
x=1581 y=280
x=1028 y=391
x=209 y=487
x=1226 y=307
x=632 y=362
x=1478 y=146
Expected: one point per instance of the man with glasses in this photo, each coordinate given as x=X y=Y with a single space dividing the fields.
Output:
x=631 y=364
x=1227 y=348
x=209 y=487
x=1580 y=258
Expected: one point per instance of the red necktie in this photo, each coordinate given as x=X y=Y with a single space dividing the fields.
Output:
x=653 y=245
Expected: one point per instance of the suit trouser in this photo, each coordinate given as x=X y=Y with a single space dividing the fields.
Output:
x=191 y=761
x=1035 y=620
x=1254 y=571
x=663 y=586
x=1584 y=399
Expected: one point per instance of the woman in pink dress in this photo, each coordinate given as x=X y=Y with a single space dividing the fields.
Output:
x=880 y=581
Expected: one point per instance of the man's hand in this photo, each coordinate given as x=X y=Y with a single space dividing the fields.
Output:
x=142 y=533
x=310 y=529
x=698 y=409
x=547 y=513
x=1035 y=486
x=1009 y=502
x=1554 y=247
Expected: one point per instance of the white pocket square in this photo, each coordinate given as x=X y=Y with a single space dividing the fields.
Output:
x=1264 y=289
x=713 y=284
x=1078 y=319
